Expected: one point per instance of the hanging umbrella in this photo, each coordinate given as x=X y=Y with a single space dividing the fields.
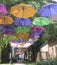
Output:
x=7 y=29
x=48 y=9
x=23 y=11
x=41 y=21
x=3 y=9
x=6 y=20
x=22 y=22
x=26 y=45
x=12 y=37
x=37 y=28
x=22 y=35
x=17 y=41
x=22 y=29
x=35 y=34
x=22 y=44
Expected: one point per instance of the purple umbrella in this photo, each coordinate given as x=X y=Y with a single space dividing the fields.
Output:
x=17 y=41
x=22 y=22
x=7 y=29
x=37 y=29
x=35 y=34
x=48 y=10
x=3 y=9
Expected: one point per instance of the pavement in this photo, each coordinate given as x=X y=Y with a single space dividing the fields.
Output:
x=20 y=64
x=14 y=64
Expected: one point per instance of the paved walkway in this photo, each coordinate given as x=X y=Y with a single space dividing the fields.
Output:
x=20 y=64
x=14 y=64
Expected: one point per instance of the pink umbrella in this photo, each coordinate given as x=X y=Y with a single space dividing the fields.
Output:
x=3 y=9
x=37 y=29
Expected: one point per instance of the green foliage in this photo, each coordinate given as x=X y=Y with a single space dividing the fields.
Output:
x=48 y=62
x=5 y=53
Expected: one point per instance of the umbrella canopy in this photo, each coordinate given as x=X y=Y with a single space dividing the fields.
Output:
x=6 y=20
x=22 y=35
x=35 y=34
x=7 y=29
x=17 y=41
x=22 y=29
x=22 y=22
x=12 y=37
x=48 y=10
x=22 y=44
x=37 y=28
x=6 y=32
x=23 y=11
x=41 y=21
x=3 y=9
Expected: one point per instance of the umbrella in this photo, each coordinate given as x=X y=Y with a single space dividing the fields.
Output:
x=22 y=44
x=7 y=29
x=22 y=35
x=3 y=9
x=22 y=22
x=37 y=28
x=17 y=41
x=48 y=10
x=35 y=34
x=23 y=11
x=41 y=21
x=12 y=37
x=6 y=20
x=6 y=32
x=22 y=29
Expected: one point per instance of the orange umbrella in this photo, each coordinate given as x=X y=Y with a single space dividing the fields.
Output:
x=23 y=11
x=23 y=35
x=6 y=20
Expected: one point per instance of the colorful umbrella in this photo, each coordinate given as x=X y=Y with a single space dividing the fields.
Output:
x=23 y=11
x=22 y=44
x=22 y=22
x=3 y=9
x=6 y=20
x=35 y=34
x=22 y=29
x=22 y=35
x=12 y=37
x=37 y=28
x=48 y=9
x=7 y=29
x=41 y=21
x=17 y=41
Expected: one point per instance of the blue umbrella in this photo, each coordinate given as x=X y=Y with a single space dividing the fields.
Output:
x=17 y=41
x=48 y=10
x=35 y=34
x=22 y=22
x=7 y=29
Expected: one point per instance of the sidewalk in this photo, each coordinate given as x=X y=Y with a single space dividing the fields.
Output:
x=14 y=64
x=20 y=64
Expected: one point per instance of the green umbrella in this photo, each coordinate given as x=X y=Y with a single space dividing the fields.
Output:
x=22 y=29
x=41 y=21
x=12 y=37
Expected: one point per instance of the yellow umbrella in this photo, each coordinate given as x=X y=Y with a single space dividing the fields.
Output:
x=6 y=20
x=23 y=35
x=23 y=11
